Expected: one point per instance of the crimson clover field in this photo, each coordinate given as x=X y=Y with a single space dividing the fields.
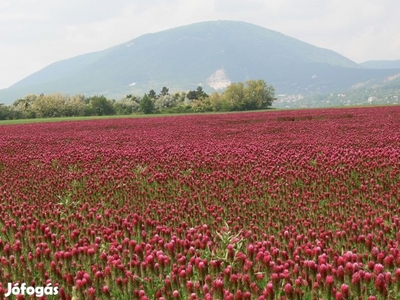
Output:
x=272 y=205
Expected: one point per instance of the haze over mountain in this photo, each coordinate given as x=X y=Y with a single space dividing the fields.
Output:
x=211 y=54
x=382 y=64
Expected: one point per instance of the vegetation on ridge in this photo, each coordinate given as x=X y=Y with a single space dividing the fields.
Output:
x=251 y=95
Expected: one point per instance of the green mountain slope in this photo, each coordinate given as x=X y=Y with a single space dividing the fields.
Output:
x=210 y=53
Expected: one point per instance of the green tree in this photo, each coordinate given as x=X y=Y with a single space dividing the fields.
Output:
x=219 y=103
x=201 y=105
x=152 y=94
x=22 y=108
x=258 y=94
x=197 y=94
x=51 y=105
x=254 y=94
x=75 y=106
x=165 y=102
x=101 y=106
x=4 y=112
x=200 y=93
x=234 y=95
x=127 y=105
x=164 y=92
x=192 y=95
x=146 y=105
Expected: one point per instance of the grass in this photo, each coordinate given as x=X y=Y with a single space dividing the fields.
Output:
x=63 y=119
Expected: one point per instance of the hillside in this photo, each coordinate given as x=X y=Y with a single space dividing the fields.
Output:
x=384 y=91
x=211 y=54
x=381 y=64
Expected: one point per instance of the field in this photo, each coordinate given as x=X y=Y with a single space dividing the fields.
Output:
x=273 y=205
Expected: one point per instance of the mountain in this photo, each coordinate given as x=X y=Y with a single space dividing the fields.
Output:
x=382 y=91
x=211 y=54
x=381 y=64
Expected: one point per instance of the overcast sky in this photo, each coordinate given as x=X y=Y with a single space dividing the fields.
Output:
x=36 y=33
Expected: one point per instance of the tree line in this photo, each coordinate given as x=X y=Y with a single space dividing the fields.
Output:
x=251 y=95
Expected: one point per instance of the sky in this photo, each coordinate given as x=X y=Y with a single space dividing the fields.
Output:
x=36 y=33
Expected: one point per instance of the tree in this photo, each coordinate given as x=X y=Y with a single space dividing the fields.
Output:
x=218 y=102
x=258 y=94
x=202 y=105
x=23 y=107
x=200 y=93
x=164 y=92
x=235 y=96
x=146 y=105
x=254 y=94
x=75 y=106
x=165 y=102
x=101 y=106
x=127 y=105
x=152 y=94
x=197 y=94
x=192 y=95
x=50 y=105
x=4 y=112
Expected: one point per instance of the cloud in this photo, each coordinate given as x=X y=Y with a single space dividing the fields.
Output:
x=360 y=30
